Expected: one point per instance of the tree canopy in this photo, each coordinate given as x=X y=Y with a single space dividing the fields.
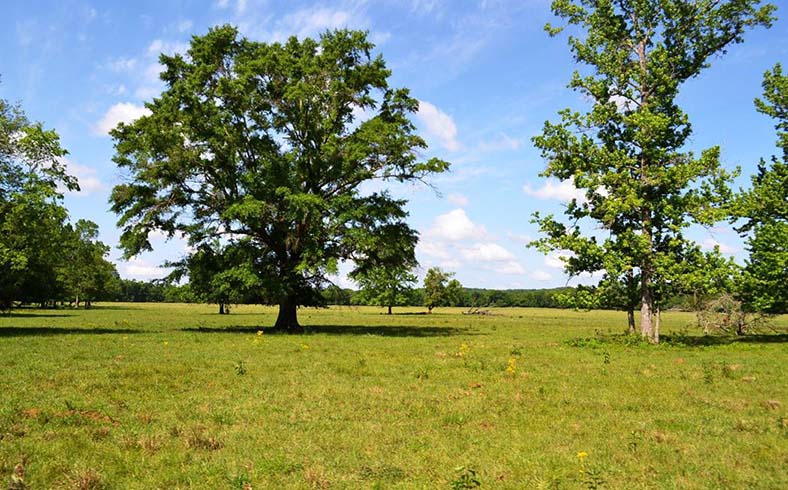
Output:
x=764 y=208
x=641 y=188
x=262 y=147
x=42 y=257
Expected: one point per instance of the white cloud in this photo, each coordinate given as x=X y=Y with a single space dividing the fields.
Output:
x=554 y=259
x=433 y=249
x=487 y=252
x=137 y=268
x=502 y=142
x=157 y=47
x=457 y=199
x=222 y=4
x=455 y=226
x=314 y=21
x=510 y=267
x=563 y=190
x=710 y=243
x=121 y=64
x=123 y=112
x=87 y=177
x=438 y=125
x=540 y=275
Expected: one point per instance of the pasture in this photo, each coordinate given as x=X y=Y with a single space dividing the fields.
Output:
x=144 y=396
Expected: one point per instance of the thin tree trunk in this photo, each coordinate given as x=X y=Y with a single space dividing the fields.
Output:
x=221 y=309
x=657 y=319
x=631 y=320
x=389 y=310
x=646 y=306
x=287 y=319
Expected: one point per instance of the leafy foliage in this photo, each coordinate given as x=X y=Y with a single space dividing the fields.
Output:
x=441 y=290
x=626 y=152
x=259 y=146
x=42 y=257
x=765 y=210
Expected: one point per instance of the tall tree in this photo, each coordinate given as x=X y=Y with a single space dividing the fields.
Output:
x=626 y=152
x=32 y=216
x=764 y=208
x=261 y=142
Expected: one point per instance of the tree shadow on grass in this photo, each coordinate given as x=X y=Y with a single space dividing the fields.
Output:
x=49 y=331
x=712 y=340
x=33 y=314
x=376 y=330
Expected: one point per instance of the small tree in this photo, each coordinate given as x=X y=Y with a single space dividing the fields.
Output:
x=439 y=290
x=385 y=286
x=86 y=272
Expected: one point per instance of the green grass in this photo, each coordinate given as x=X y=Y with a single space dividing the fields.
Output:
x=175 y=396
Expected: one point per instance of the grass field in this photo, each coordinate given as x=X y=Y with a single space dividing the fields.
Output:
x=144 y=396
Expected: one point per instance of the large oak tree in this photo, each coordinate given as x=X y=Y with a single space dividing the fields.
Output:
x=260 y=146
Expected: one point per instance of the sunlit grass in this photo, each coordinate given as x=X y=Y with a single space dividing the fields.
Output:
x=176 y=396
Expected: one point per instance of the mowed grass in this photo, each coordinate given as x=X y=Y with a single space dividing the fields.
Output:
x=146 y=396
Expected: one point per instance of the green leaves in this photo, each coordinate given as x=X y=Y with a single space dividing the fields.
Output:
x=258 y=144
x=626 y=151
x=764 y=209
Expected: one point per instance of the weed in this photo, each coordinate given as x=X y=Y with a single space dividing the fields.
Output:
x=467 y=478
x=197 y=439
x=88 y=479
x=240 y=368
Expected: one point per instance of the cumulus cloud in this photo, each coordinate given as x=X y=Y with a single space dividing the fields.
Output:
x=124 y=112
x=552 y=189
x=540 y=275
x=554 y=259
x=510 y=267
x=438 y=126
x=433 y=249
x=455 y=226
x=487 y=252
x=87 y=177
x=138 y=268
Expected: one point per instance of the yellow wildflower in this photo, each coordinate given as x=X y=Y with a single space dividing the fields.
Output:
x=259 y=333
x=582 y=455
x=511 y=366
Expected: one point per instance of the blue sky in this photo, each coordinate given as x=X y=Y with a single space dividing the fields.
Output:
x=485 y=72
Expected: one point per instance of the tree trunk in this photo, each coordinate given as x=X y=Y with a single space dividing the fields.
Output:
x=631 y=319
x=287 y=320
x=389 y=310
x=647 y=305
x=429 y=309
x=657 y=318
x=221 y=309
